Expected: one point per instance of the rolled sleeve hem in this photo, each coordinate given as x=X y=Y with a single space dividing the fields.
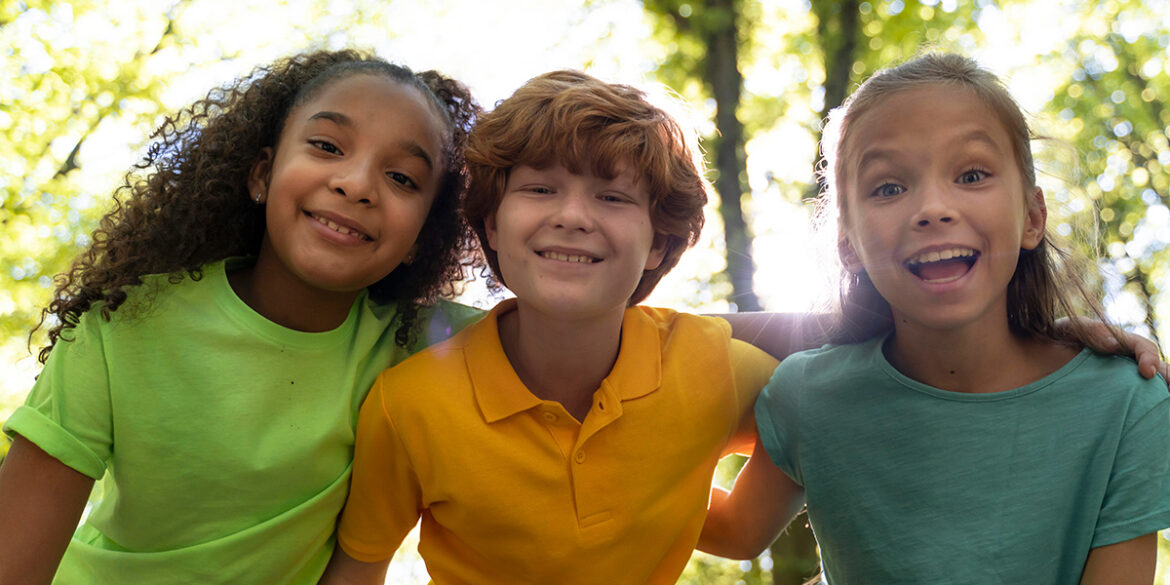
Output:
x=53 y=439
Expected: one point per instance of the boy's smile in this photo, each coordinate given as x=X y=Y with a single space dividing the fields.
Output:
x=936 y=211
x=573 y=245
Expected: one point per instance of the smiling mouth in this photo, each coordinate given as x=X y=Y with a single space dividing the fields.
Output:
x=339 y=228
x=578 y=258
x=942 y=266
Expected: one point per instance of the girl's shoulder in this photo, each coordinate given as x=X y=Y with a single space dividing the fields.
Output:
x=1116 y=374
x=834 y=357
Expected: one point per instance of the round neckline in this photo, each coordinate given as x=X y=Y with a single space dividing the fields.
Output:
x=245 y=316
x=879 y=357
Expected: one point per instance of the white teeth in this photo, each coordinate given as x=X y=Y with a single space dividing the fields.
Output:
x=942 y=280
x=938 y=255
x=338 y=228
x=568 y=257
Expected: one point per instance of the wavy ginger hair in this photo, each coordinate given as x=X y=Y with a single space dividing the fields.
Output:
x=573 y=119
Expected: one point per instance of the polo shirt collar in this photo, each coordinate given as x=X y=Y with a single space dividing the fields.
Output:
x=500 y=393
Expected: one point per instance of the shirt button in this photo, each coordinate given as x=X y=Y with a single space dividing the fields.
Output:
x=550 y=416
x=579 y=457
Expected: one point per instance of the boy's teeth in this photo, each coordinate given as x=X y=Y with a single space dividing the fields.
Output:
x=568 y=257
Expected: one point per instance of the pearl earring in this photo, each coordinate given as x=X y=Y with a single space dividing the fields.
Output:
x=258 y=196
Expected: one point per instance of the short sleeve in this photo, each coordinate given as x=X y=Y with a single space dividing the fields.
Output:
x=777 y=410
x=384 y=495
x=1137 y=499
x=751 y=367
x=67 y=414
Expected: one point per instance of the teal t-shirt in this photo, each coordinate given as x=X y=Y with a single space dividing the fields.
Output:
x=911 y=484
x=225 y=440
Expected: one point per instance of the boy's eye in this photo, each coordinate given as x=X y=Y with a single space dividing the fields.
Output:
x=402 y=179
x=889 y=190
x=325 y=146
x=541 y=189
x=971 y=177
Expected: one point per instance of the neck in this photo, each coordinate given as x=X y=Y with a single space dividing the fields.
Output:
x=290 y=304
x=559 y=359
x=981 y=357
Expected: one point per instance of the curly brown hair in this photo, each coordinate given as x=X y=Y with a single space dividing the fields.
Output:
x=573 y=119
x=186 y=203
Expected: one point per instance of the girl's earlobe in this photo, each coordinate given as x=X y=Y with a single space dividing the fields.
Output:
x=1036 y=221
x=848 y=256
x=259 y=175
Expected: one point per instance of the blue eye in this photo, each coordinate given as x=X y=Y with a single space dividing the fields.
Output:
x=971 y=177
x=888 y=190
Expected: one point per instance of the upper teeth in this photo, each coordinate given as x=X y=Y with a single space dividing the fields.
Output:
x=339 y=228
x=938 y=255
x=567 y=257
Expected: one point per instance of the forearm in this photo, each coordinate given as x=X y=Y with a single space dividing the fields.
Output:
x=346 y=570
x=41 y=500
x=742 y=523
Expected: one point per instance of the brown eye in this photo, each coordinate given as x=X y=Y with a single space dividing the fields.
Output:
x=402 y=179
x=325 y=146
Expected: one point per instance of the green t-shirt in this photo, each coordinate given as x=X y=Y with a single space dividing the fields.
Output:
x=225 y=439
x=911 y=484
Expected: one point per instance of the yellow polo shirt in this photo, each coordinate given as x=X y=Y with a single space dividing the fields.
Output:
x=512 y=489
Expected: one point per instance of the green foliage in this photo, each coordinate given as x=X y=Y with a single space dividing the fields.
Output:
x=1110 y=110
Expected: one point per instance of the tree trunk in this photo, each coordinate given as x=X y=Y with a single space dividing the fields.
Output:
x=837 y=27
x=725 y=81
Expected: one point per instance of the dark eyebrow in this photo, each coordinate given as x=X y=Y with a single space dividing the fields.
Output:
x=335 y=117
x=414 y=148
x=342 y=120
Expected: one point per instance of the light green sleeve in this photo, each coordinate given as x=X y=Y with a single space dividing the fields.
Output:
x=67 y=414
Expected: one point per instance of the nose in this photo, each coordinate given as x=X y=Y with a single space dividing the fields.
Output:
x=353 y=180
x=574 y=211
x=935 y=208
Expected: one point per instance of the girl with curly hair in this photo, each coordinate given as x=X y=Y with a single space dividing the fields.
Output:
x=283 y=241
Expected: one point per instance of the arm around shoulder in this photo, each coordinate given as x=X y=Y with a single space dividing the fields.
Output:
x=41 y=500
x=779 y=334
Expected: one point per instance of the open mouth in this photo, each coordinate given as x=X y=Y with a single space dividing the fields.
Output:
x=577 y=258
x=942 y=266
x=339 y=228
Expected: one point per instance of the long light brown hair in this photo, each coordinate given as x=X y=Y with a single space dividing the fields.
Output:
x=1046 y=284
